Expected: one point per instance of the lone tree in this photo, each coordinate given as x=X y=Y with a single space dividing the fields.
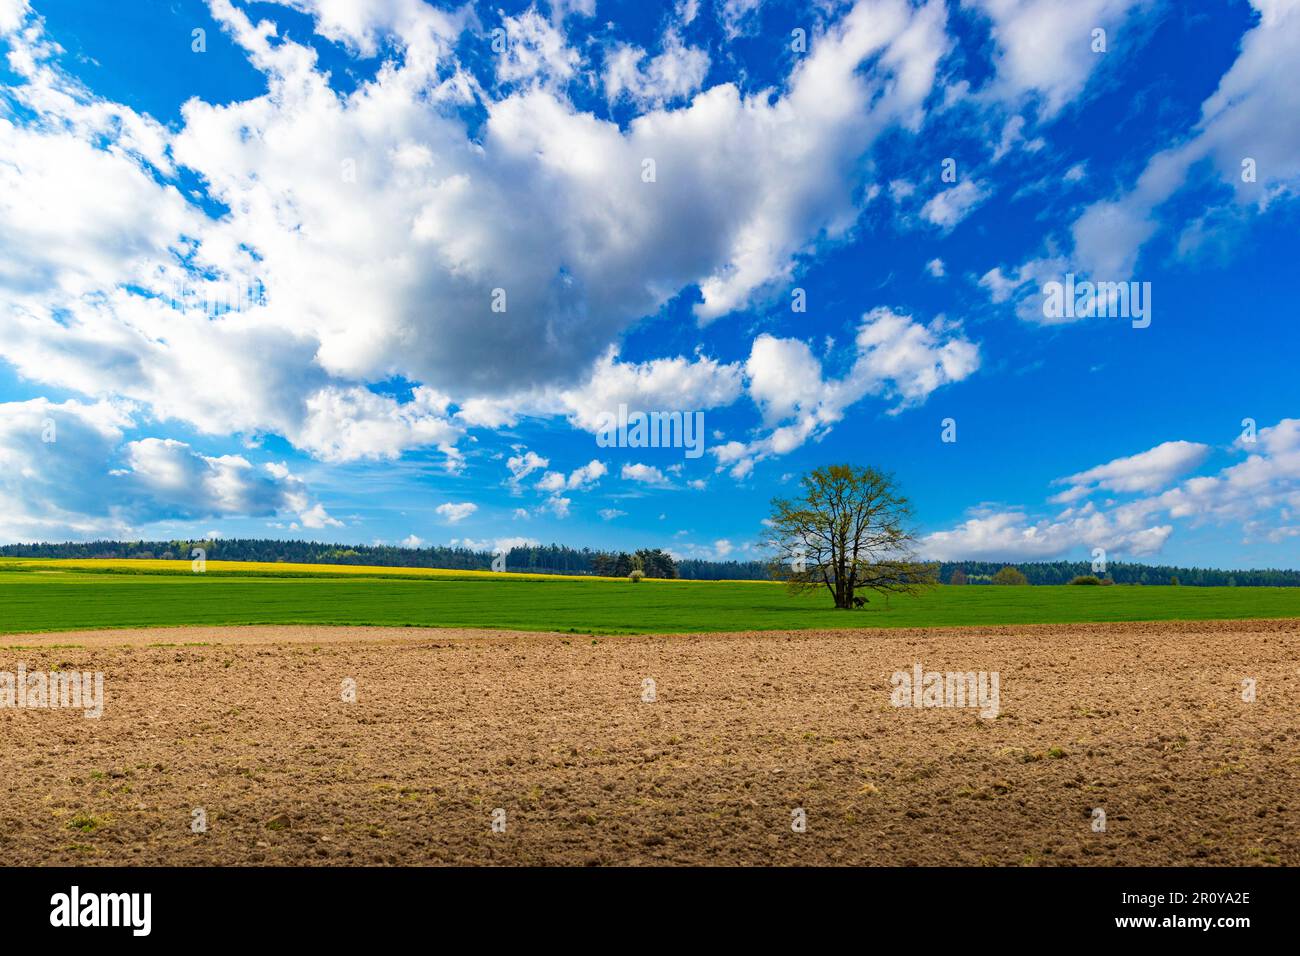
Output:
x=847 y=532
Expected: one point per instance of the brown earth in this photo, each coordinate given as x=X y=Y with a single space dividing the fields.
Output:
x=1144 y=721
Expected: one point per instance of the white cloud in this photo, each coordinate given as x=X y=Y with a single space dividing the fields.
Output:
x=1149 y=471
x=1010 y=536
x=456 y=511
x=657 y=385
x=1243 y=110
x=554 y=483
x=609 y=514
x=421 y=29
x=1108 y=235
x=900 y=190
x=675 y=73
x=935 y=268
x=1258 y=492
x=65 y=471
x=347 y=424
x=949 y=207
x=562 y=9
x=588 y=474
x=12 y=14
x=317 y=517
x=579 y=478
x=1013 y=136
x=535 y=49
x=506 y=545
x=738 y=16
x=496 y=546
x=522 y=465
x=412 y=541
x=645 y=474
x=551 y=481
x=897 y=358
x=377 y=227
x=1044 y=47
x=662 y=384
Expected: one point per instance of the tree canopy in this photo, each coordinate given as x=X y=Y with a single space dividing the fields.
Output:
x=848 y=532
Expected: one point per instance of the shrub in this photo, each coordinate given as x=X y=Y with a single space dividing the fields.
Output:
x=1107 y=582
x=1010 y=575
x=1173 y=582
x=1087 y=579
x=958 y=577
x=636 y=576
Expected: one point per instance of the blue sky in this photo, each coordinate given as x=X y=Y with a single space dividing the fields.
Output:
x=917 y=174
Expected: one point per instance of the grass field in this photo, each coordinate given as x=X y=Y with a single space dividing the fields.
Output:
x=61 y=596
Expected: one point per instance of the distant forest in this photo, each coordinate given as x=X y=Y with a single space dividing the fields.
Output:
x=560 y=559
x=543 y=559
x=1063 y=572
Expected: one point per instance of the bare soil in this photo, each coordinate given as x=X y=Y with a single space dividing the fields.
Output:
x=1143 y=721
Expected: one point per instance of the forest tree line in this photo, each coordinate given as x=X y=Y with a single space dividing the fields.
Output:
x=652 y=562
x=538 y=559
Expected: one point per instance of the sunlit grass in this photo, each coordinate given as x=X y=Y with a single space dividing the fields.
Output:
x=82 y=595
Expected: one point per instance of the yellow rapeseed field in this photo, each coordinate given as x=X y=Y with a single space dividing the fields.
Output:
x=143 y=566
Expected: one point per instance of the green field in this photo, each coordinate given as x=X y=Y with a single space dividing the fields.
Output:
x=59 y=600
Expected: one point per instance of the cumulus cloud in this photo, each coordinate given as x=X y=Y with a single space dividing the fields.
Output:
x=535 y=49
x=12 y=14
x=524 y=464
x=738 y=16
x=1044 y=47
x=1243 y=110
x=675 y=73
x=1148 y=471
x=949 y=207
x=663 y=384
x=1109 y=234
x=66 y=471
x=896 y=358
x=1011 y=536
x=496 y=546
x=377 y=226
x=645 y=474
x=667 y=384
x=1259 y=492
x=456 y=511
x=348 y=424
x=588 y=474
